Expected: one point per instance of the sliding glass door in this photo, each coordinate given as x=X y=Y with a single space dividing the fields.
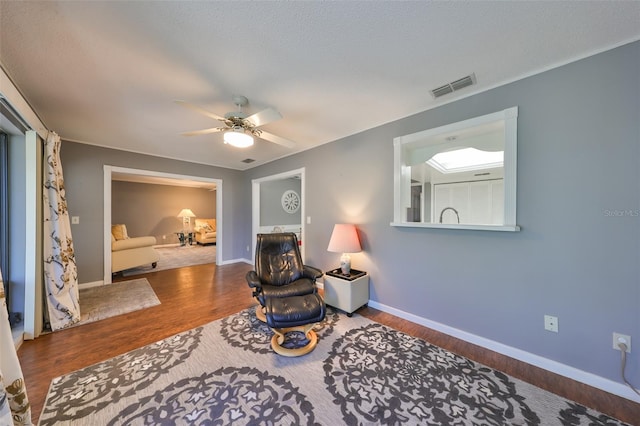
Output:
x=4 y=214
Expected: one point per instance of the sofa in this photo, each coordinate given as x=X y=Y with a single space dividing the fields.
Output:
x=205 y=230
x=127 y=252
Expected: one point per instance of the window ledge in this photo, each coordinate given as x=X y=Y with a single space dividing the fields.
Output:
x=503 y=228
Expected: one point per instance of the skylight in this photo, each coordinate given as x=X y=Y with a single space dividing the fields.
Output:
x=465 y=160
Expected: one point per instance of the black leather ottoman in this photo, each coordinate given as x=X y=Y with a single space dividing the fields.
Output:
x=297 y=313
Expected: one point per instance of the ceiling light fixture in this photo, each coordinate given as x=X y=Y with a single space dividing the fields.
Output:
x=238 y=137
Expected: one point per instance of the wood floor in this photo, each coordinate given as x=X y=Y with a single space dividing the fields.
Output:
x=196 y=295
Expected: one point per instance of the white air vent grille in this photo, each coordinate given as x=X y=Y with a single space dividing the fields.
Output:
x=441 y=91
x=454 y=85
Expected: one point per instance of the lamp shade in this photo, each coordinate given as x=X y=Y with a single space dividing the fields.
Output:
x=344 y=239
x=238 y=138
x=186 y=213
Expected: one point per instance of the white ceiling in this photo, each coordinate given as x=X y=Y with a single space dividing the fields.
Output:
x=107 y=73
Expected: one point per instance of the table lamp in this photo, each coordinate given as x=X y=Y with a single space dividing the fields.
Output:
x=344 y=239
x=186 y=215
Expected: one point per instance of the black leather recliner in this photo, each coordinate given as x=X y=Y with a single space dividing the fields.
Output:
x=279 y=271
x=286 y=290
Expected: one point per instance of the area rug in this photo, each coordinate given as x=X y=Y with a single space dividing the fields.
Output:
x=177 y=257
x=106 y=301
x=361 y=372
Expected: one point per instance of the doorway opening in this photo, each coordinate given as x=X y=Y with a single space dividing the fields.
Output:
x=278 y=205
x=149 y=176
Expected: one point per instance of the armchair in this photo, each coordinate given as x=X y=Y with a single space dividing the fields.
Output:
x=129 y=252
x=286 y=290
x=205 y=230
x=279 y=271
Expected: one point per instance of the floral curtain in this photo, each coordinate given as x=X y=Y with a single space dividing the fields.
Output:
x=14 y=404
x=60 y=271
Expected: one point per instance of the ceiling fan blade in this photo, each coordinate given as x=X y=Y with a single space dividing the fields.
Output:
x=277 y=139
x=263 y=117
x=200 y=110
x=202 y=132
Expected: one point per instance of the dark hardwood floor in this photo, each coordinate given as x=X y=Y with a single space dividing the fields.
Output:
x=196 y=295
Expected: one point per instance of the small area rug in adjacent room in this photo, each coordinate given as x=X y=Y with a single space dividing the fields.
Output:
x=361 y=372
x=176 y=257
x=105 y=301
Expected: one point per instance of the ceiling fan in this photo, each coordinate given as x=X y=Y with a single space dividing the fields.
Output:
x=240 y=129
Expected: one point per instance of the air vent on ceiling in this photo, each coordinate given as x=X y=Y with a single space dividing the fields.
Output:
x=248 y=160
x=454 y=85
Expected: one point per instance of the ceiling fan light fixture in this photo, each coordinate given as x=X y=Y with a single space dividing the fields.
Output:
x=238 y=137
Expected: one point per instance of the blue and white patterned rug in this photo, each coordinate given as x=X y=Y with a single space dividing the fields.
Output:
x=361 y=372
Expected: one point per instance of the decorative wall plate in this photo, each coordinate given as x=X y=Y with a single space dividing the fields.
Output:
x=290 y=201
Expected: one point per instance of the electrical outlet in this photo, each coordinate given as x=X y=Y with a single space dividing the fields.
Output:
x=75 y=220
x=621 y=338
x=551 y=323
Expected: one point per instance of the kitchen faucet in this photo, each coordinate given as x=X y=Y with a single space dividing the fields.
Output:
x=449 y=208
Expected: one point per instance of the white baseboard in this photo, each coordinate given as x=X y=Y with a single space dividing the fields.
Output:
x=532 y=359
x=230 y=261
x=91 y=284
x=18 y=335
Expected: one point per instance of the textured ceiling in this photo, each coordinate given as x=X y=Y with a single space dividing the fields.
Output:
x=108 y=73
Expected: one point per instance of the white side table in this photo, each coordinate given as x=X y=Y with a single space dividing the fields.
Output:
x=346 y=293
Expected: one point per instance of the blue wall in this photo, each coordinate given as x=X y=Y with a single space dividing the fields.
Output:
x=271 y=211
x=578 y=254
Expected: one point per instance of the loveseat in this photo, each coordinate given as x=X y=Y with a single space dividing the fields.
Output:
x=129 y=252
x=205 y=230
